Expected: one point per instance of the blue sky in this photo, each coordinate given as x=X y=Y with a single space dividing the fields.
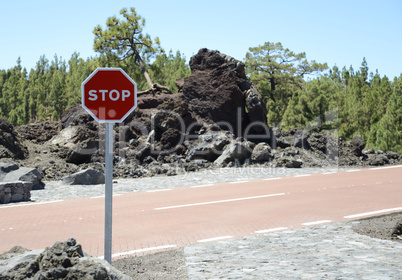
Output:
x=337 y=32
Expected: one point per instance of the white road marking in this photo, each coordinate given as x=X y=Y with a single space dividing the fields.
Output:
x=385 y=167
x=238 y=182
x=303 y=175
x=328 y=173
x=214 y=239
x=353 y=170
x=270 y=230
x=121 y=254
x=201 y=186
x=160 y=190
x=373 y=213
x=218 y=201
x=30 y=204
x=269 y=179
x=316 y=223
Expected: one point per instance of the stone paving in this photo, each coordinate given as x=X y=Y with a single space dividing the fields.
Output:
x=332 y=251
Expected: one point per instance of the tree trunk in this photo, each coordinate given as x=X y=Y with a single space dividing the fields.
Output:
x=144 y=70
x=272 y=91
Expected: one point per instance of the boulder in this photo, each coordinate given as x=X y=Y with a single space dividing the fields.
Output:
x=357 y=145
x=235 y=151
x=84 y=177
x=77 y=142
x=218 y=91
x=7 y=168
x=392 y=155
x=12 y=172
x=377 y=159
x=10 y=145
x=63 y=260
x=318 y=142
x=261 y=153
x=15 y=191
x=300 y=139
x=209 y=146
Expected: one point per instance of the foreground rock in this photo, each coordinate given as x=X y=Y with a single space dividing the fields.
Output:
x=85 y=177
x=63 y=260
x=236 y=152
x=10 y=172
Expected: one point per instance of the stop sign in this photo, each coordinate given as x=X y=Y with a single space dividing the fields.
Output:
x=109 y=95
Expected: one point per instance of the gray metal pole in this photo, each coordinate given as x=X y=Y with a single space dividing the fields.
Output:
x=108 y=191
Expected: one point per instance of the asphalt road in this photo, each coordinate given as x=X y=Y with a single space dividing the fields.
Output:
x=167 y=218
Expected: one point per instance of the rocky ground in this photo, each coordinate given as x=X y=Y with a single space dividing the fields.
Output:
x=217 y=119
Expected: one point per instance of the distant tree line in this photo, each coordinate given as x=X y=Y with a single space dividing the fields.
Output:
x=298 y=92
x=54 y=86
x=346 y=101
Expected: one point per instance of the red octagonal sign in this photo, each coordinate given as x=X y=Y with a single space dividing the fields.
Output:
x=109 y=95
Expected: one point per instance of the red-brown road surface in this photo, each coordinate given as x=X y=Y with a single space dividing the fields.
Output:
x=146 y=221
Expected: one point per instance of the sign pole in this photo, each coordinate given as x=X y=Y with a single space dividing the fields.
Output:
x=109 y=95
x=108 y=191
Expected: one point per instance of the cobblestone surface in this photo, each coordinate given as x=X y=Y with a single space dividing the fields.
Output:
x=332 y=251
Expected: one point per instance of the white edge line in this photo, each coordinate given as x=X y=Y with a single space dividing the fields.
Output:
x=270 y=230
x=238 y=182
x=214 y=239
x=201 y=186
x=269 y=179
x=386 y=167
x=316 y=223
x=303 y=175
x=353 y=170
x=31 y=204
x=373 y=213
x=160 y=190
x=121 y=254
x=218 y=201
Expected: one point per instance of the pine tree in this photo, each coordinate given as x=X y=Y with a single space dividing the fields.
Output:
x=124 y=39
x=78 y=71
x=278 y=73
